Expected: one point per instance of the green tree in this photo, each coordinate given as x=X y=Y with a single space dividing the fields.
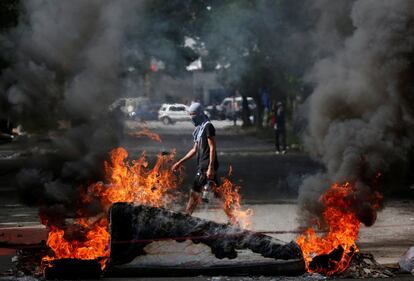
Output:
x=251 y=43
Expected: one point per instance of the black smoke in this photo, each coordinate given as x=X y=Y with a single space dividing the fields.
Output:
x=360 y=119
x=66 y=66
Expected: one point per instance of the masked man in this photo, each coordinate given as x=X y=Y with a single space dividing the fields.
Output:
x=205 y=149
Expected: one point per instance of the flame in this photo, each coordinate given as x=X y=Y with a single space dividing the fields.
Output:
x=136 y=182
x=342 y=230
x=146 y=133
x=230 y=195
x=133 y=182
x=94 y=246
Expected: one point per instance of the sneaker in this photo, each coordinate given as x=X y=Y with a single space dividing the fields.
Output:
x=283 y=151
x=277 y=152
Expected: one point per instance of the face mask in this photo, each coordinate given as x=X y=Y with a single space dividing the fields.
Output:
x=197 y=120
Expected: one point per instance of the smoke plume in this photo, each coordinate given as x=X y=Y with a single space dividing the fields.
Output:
x=361 y=117
x=66 y=67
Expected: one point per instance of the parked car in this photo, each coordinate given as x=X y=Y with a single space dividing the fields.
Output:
x=213 y=112
x=170 y=113
x=222 y=111
x=146 y=111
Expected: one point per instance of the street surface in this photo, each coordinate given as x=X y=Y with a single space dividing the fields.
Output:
x=269 y=187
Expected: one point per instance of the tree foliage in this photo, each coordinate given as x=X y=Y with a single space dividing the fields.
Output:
x=250 y=43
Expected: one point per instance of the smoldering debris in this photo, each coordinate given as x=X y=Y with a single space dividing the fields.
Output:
x=361 y=111
x=27 y=262
x=364 y=265
x=134 y=227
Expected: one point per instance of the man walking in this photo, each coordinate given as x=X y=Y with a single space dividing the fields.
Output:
x=205 y=149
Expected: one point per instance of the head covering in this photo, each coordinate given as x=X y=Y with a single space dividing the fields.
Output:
x=199 y=119
x=197 y=114
x=196 y=108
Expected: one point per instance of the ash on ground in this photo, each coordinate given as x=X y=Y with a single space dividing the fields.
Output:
x=364 y=265
x=27 y=262
x=22 y=278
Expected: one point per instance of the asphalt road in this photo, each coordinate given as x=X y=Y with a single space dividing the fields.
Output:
x=269 y=183
x=264 y=177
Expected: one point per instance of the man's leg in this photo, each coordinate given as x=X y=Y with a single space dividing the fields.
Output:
x=195 y=192
x=277 y=140
x=193 y=201
x=283 y=136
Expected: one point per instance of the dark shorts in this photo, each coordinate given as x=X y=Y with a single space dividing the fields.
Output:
x=200 y=180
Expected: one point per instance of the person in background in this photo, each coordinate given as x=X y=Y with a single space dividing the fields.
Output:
x=245 y=112
x=266 y=104
x=279 y=127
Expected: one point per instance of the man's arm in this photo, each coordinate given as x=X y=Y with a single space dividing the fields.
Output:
x=212 y=145
x=189 y=154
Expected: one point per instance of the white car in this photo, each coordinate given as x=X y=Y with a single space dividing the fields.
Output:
x=238 y=103
x=170 y=113
x=222 y=112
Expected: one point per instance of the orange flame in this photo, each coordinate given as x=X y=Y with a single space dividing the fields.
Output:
x=232 y=202
x=135 y=182
x=94 y=246
x=146 y=133
x=342 y=230
x=132 y=182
